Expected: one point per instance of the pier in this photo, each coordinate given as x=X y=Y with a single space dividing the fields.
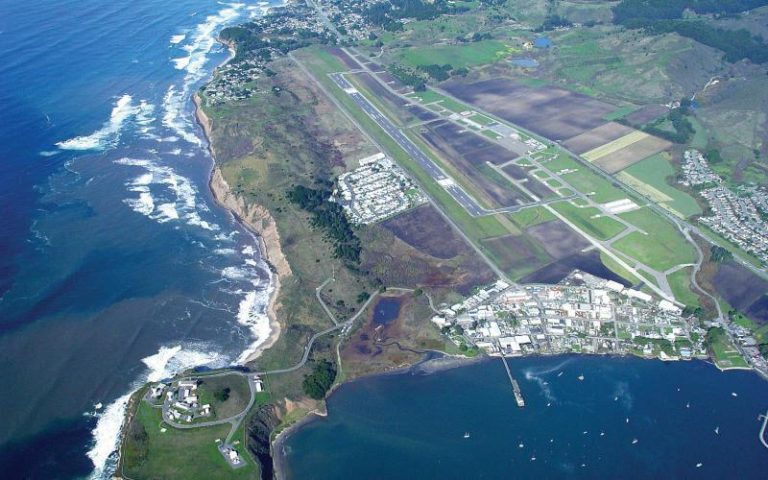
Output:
x=515 y=387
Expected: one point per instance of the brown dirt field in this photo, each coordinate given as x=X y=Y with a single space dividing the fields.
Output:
x=515 y=253
x=390 y=260
x=557 y=238
x=443 y=137
x=586 y=262
x=347 y=60
x=743 y=290
x=552 y=112
x=534 y=185
x=625 y=157
x=427 y=231
x=596 y=137
x=646 y=114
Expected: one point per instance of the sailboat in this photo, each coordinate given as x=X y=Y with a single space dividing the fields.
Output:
x=717 y=430
x=466 y=434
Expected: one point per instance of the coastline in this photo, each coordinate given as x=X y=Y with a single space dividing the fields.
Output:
x=257 y=220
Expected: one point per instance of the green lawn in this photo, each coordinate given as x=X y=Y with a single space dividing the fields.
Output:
x=660 y=246
x=427 y=96
x=602 y=228
x=459 y=56
x=529 y=217
x=655 y=171
x=680 y=282
x=584 y=179
x=192 y=454
x=725 y=354
x=620 y=112
x=481 y=119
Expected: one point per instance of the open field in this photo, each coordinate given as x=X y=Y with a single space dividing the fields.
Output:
x=425 y=230
x=190 y=454
x=237 y=399
x=650 y=177
x=631 y=154
x=743 y=290
x=596 y=137
x=557 y=239
x=615 y=145
x=529 y=217
x=590 y=220
x=459 y=56
x=680 y=282
x=552 y=112
x=516 y=255
x=660 y=245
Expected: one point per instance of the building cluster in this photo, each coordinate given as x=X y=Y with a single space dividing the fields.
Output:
x=583 y=314
x=270 y=36
x=739 y=216
x=376 y=190
x=180 y=401
x=696 y=170
x=748 y=345
x=347 y=17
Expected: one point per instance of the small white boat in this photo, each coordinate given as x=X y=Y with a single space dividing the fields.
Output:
x=521 y=445
x=634 y=441
x=688 y=405
x=615 y=399
x=533 y=459
x=734 y=394
x=581 y=377
x=602 y=434
x=98 y=406
x=717 y=430
x=584 y=432
x=466 y=434
x=548 y=404
x=627 y=419
x=698 y=465
x=560 y=374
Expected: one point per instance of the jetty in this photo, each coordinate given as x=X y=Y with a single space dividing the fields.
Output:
x=763 y=440
x=515 y=386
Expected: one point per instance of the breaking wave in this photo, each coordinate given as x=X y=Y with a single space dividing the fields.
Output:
x=163 y=364
x=109 y=134
x=174 y=196
x=201 y=42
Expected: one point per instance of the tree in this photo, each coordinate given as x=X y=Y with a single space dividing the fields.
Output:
x=317 y=383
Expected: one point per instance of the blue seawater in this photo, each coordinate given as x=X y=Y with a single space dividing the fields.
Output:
x=116 y=265
x=585 y=417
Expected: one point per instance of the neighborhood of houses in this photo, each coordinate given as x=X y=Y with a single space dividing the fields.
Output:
x=376 y=190
x=739 y=216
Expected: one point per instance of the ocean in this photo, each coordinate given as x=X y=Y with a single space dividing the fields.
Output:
x=585 y=417
x=117 y=266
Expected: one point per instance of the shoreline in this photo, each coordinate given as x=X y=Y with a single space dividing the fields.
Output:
x=256 y=220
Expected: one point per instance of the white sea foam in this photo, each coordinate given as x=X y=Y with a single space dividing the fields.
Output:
x=163 y=364
x=48 y=153
x=109 y=134
x=252 y=314
x=201 y=42
x=177 y=39
x=165 y=195
x=225 y=251
x=248 y=250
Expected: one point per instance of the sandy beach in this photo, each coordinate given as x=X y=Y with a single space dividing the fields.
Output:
x=258 y=221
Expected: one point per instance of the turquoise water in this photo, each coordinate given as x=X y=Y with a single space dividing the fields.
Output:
x=413 y=425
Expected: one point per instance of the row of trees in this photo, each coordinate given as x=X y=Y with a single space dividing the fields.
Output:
x=388 y=14
x=329 y=217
